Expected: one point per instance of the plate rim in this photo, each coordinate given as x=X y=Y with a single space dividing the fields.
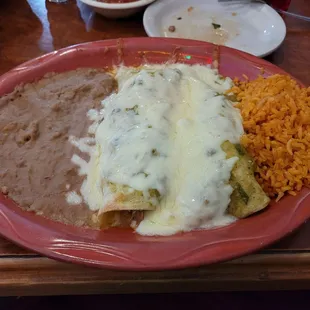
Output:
x=10 y=230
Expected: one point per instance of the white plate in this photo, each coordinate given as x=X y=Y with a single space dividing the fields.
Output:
x=255 y=28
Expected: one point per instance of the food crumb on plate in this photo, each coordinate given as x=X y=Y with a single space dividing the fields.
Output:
x=4 y=190
x=216 y=26
x=171 y=28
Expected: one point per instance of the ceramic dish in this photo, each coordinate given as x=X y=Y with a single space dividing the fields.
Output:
x=117 y=10
x=121 y=248
x=252 y=27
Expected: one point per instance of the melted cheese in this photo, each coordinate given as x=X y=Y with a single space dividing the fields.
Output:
x=74 y=198
x=163 y=130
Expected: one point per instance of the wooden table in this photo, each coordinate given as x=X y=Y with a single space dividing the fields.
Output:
x=31 y=28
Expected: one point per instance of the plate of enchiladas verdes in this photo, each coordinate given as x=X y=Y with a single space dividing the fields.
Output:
x=151 y=154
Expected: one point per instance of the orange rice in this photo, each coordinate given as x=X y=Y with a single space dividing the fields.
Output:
x=276 y=120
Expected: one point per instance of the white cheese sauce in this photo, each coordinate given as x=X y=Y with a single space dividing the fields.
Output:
x=74 y=198
x=163 y=130
x=134 y=135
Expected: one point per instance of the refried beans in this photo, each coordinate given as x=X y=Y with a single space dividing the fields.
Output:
x=36 y=120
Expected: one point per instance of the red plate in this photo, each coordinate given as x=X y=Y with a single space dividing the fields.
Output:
x=123 y=249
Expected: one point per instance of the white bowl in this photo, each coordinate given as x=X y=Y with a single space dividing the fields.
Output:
x=117 y=10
